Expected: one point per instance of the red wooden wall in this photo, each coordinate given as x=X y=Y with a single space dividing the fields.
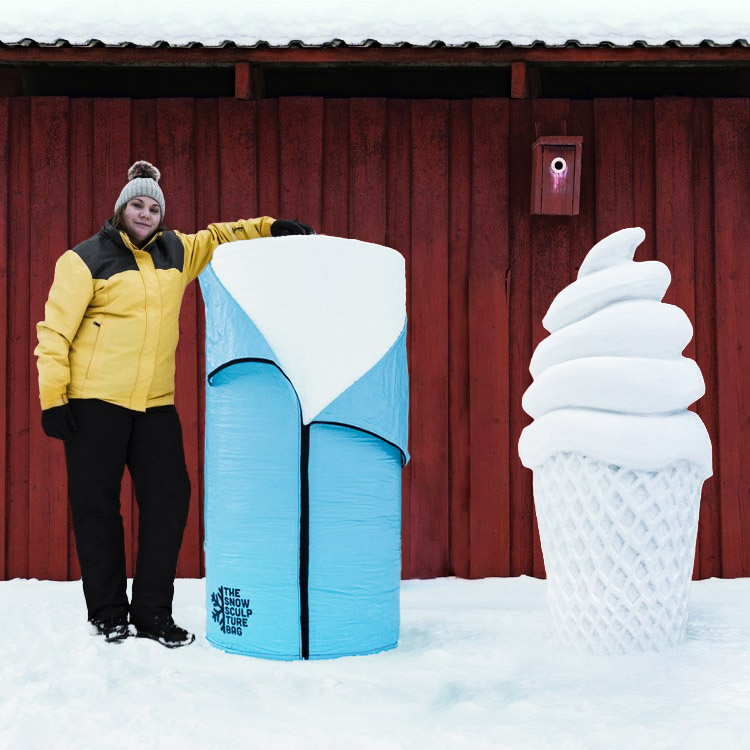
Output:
x=445 y=182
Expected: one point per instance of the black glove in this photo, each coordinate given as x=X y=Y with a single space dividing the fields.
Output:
x=59 y=422
x=282 y=227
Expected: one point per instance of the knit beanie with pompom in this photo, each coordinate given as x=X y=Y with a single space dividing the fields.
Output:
x=143 y=179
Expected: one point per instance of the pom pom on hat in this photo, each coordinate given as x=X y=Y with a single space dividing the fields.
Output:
x=143 y=179
x=144 y=169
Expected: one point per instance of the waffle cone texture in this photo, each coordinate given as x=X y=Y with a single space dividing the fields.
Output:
x=618 y=546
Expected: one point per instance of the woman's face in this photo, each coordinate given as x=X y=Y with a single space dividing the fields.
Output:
x=141 y=217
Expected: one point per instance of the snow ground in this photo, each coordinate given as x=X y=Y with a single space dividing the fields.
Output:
x=474 y=669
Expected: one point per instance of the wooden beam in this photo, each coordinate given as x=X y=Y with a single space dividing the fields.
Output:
x=248 y=81
x=688 y=56
x=524 y=81
x=242 y=81
x=519 y=82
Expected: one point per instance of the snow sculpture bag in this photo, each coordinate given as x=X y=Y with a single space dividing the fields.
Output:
x=306 y=432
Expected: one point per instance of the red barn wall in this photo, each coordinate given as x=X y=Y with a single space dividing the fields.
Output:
x=447 y=183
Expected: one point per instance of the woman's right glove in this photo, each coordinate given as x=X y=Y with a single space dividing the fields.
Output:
x=284 y=227
x=59 y=422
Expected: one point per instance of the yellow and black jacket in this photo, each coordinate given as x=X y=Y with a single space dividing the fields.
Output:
x=110 y=325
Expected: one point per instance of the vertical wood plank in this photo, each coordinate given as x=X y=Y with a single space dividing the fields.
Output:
x=731 y=127
x=582 y=234
x=4 y=134
x=206 y=158
x=614 y=165
x=398 y=236
x=673 y=119
x=429 y=489
x=111 y=152
x=398 y=178
x=582 y=229
x=644 y=159
x=708 y=555
x=111 y=159
x=673 y=122
x=521 y=135
x=238 y=189
x=267 y=162
x=48 y=511
x=81 y=224
x=458 y=336
x=489 y=351
x=550 y=259
x=335 y=220
x=247 y=149
x=580 y=121
x=301 y=166
x=143 y=132
x=22 y=378
x=176 y=153
x=367 y=163
x=144 y=145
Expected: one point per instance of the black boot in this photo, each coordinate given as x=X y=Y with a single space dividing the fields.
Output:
x=162 y=628
x=114 y=629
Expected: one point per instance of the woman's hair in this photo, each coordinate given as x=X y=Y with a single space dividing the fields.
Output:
x=117 y=221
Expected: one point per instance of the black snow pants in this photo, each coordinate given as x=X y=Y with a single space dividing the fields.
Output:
x=149 y=443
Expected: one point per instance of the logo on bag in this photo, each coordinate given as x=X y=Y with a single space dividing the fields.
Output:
x=230 y=610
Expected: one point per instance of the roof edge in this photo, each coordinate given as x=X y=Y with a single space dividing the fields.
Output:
x=28 y=42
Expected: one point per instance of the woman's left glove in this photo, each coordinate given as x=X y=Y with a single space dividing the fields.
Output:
x=283 y=227
x=59 y=422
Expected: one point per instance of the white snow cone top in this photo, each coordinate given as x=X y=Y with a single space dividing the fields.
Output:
x=610 y=381
x=329 y=307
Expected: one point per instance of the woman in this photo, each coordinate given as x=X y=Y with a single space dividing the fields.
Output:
x=106 y=381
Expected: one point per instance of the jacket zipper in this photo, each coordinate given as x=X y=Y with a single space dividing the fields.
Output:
x=91 y=369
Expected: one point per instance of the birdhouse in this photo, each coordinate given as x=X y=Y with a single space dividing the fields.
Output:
x=556 y=180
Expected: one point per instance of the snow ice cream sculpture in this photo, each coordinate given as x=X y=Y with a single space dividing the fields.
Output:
x=306 y=431
x=618 y=460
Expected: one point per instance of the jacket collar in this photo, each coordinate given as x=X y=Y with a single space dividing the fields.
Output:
x=121 y=238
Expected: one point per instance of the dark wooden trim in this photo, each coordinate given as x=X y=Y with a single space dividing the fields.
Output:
x=378 y=55
x=249 y=82
x=524 y=81
x=519 y=80
x=243 y=87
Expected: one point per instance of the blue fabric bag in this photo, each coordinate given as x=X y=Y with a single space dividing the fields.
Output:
x=302 y=511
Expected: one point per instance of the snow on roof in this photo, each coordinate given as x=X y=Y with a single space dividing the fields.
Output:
x=418 y=22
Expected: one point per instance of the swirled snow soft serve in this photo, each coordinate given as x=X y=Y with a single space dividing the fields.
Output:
x=618 y=459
